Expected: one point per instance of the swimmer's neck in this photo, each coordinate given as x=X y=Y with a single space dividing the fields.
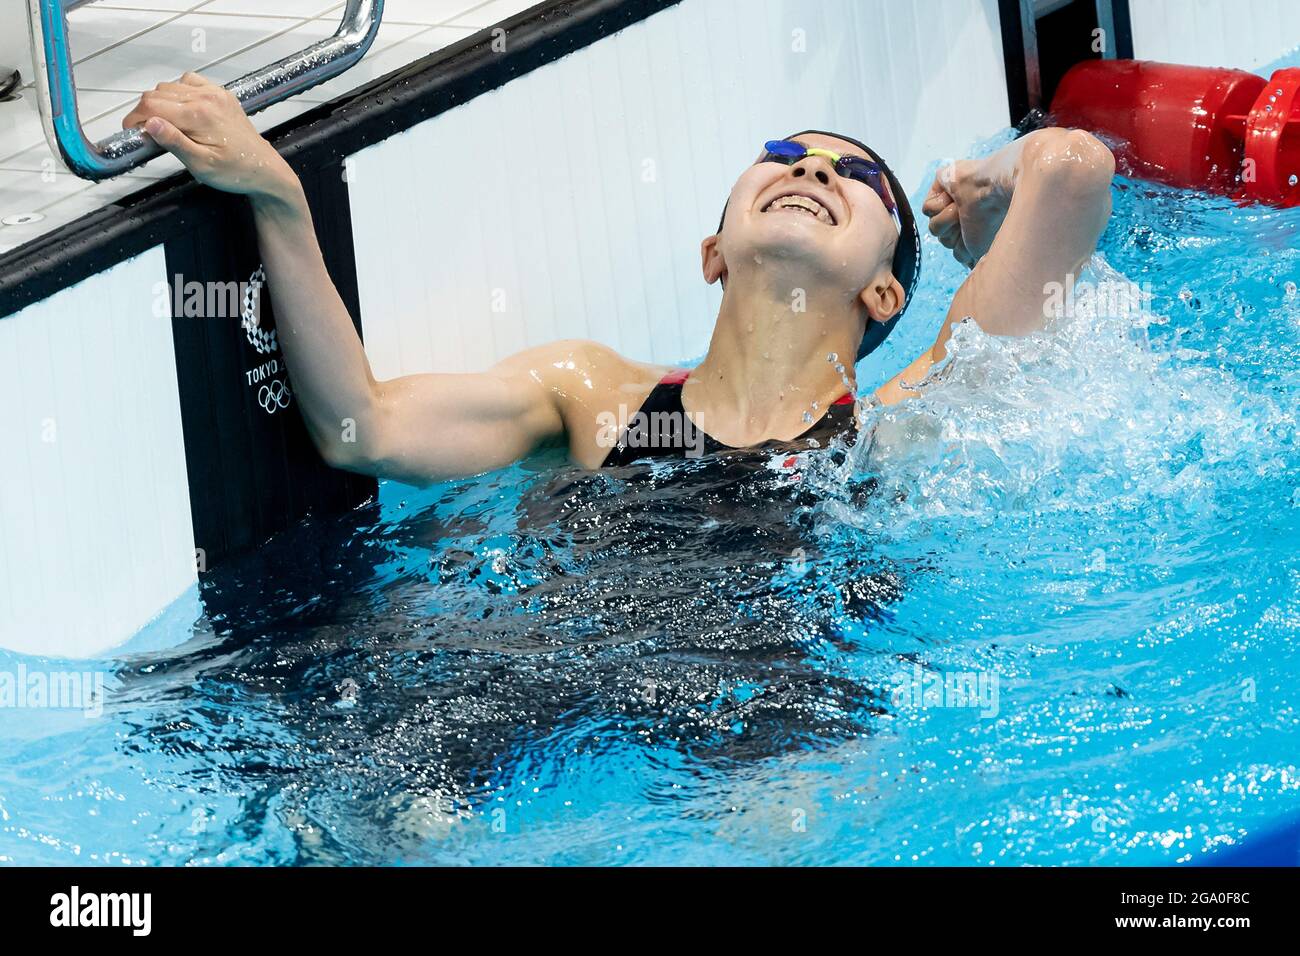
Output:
x=768 y=359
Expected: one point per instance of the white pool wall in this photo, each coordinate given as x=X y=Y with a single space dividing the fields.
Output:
x=95 y=529
x=571 y=203
x=1245 y=34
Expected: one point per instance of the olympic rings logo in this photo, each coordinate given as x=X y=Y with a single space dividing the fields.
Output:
x=274 y=396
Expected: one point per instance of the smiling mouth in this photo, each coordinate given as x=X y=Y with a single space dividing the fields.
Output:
x=795 y=203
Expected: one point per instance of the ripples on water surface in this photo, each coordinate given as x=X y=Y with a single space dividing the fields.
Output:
x=715 y=664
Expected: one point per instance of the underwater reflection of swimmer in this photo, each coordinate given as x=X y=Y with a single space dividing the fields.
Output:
x=432 y=686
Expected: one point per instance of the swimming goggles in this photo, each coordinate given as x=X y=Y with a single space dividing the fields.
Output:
x=788 y=152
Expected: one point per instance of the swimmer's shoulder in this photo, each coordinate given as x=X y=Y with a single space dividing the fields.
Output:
x=583 y=369
x=588 y=382
x=585 y=377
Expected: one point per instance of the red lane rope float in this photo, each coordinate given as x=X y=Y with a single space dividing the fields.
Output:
x=1222 y=130
x=1273 y=141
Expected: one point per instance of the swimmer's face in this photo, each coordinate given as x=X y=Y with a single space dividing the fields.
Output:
x=845 y=241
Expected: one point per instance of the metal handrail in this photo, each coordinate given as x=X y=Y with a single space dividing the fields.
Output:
x=128 y=149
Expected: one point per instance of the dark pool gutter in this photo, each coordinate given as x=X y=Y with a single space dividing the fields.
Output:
x=1042 y=40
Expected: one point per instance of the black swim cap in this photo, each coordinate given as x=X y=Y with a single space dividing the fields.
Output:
x=907 y=253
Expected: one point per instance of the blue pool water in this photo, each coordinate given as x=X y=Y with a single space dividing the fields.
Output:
x=1046 y=613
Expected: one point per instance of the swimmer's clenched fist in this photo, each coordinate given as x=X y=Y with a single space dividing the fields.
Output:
x=205 y=127
x=969 y=200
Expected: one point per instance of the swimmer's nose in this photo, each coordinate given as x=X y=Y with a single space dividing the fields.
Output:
x=810 y=163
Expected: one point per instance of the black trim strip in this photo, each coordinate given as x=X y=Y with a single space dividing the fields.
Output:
x=432 y=85
x=251 y=467
x=1122 y=23
x=1013 y=59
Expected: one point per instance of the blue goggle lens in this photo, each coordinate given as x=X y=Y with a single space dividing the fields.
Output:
x=850 y=167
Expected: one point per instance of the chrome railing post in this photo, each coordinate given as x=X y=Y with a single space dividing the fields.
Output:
x=126 y=150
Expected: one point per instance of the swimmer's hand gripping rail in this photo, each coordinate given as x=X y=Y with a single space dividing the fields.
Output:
x=130 y=148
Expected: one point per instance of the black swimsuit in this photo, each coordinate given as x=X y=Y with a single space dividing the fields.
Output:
x=662 y=429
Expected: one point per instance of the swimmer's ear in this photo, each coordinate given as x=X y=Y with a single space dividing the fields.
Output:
x=884 y=298
x=711 y=261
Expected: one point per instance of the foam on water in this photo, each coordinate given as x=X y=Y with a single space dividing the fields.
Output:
x=1095 y=414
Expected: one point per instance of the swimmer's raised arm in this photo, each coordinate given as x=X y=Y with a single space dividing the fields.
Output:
x=1023 y=219
x=417 y=428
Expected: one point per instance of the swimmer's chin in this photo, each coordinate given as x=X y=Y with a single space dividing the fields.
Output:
x=791 y=236
x=813 y=261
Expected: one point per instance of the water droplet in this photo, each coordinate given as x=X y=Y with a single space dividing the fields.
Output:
x=839 y=368
x=832 y=357
x=1292 y=179
x=807 y=418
